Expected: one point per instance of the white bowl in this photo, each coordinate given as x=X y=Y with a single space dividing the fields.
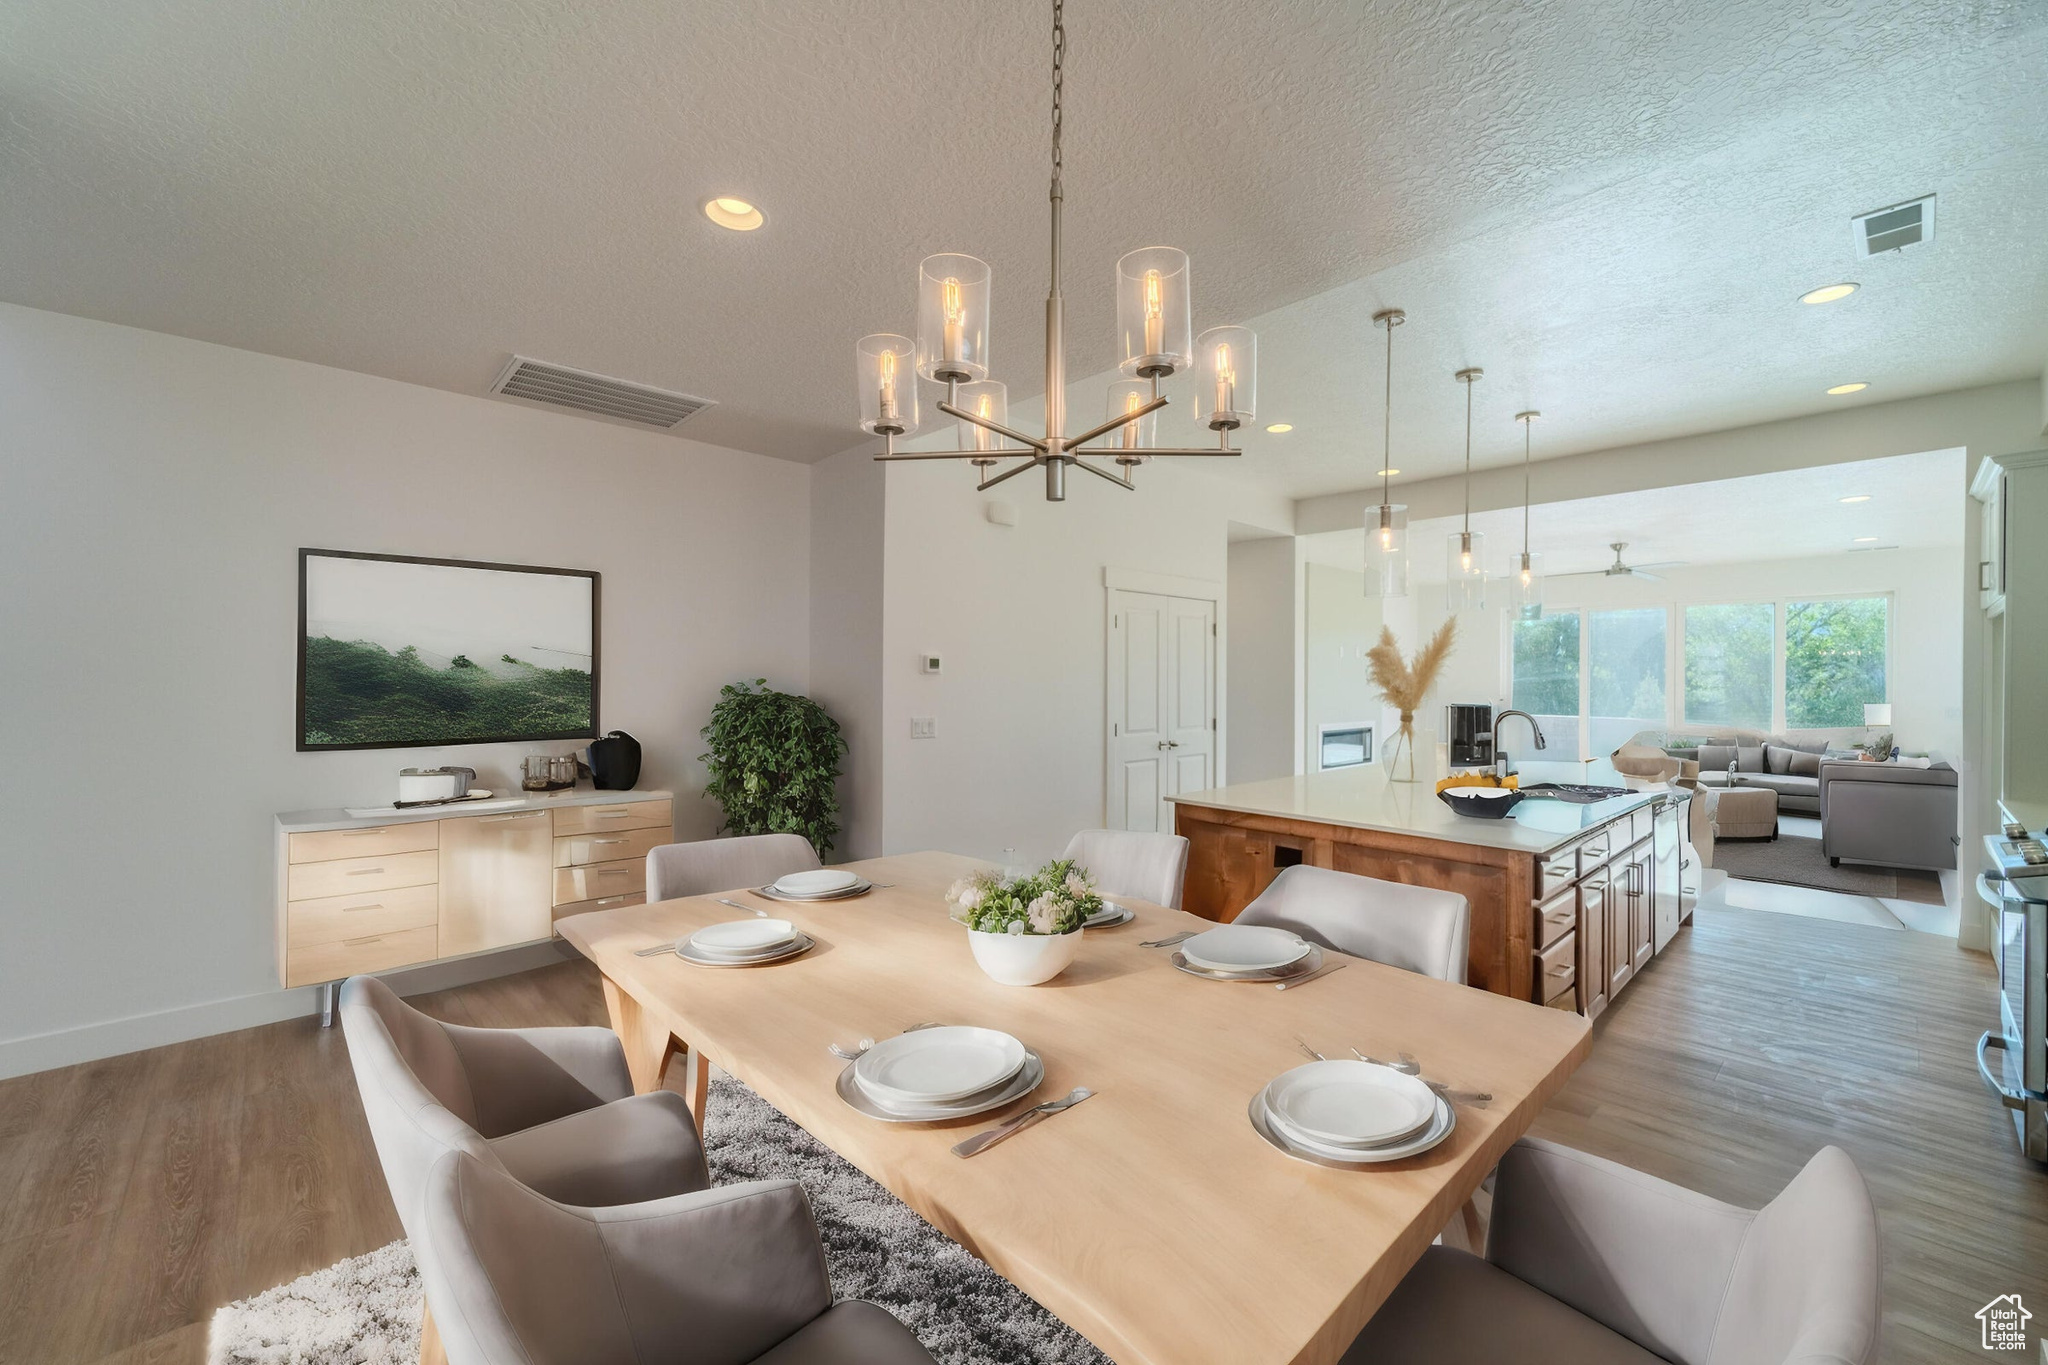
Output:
x=1024 y=959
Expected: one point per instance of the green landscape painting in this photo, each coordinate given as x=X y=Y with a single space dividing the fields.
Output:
x=407 y=652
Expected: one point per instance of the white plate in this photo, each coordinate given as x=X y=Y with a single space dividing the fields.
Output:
x=700 y=952
x=1349 y=1104
x=1109 y=915
x=1316 y=1154
x=1028 y=1078
x=859 y=888
x=1244 y=948
x=934 y=1065
x=743 y=935
x=802 y=944
x=823 y=882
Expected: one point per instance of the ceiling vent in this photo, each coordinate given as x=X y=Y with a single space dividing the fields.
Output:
x=1895 y=228
x=598 y=395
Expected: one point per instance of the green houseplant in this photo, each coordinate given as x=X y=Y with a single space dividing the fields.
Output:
x=774 y=763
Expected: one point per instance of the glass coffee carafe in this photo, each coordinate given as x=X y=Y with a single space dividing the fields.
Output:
x=548 y=772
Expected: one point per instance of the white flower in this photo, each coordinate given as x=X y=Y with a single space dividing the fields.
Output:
x=1044 y=915
x=1077 y=885
x=1016 y=927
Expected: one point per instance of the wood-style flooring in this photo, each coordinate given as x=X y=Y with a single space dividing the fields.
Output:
x=139 y=1193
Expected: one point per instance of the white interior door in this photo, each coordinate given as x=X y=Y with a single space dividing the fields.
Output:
x=1162 y=705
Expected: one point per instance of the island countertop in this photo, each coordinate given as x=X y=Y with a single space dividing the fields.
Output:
x=1363 y=798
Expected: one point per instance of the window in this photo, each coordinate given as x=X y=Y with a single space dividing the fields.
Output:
x=1728 y=656
x=1546 y=678
x=1625 y=658
x=1834 y=660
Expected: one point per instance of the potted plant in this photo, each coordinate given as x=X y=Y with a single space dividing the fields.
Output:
x=774 y=763
x=1025 y=931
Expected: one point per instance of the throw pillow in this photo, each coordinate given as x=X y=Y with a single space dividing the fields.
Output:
x=1803 y=765
x=1777 y=759
x=1715 y=758
x=1748 y=759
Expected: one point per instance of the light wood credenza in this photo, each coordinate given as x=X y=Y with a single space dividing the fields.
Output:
x=369 y=894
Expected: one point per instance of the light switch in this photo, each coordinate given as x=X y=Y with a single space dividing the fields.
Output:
x=924 y=727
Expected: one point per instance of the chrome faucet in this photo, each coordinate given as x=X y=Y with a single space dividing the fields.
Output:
x=1500 y=756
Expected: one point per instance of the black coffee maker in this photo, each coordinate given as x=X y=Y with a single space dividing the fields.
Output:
x=614 y=762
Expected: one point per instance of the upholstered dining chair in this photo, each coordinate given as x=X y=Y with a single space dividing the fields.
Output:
x=720 y=1277
x=1591 y=1263
x=1145 y=867
x=725 y=864
x=1416 y=928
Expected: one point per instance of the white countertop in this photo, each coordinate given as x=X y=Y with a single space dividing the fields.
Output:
x=335 y=817
x=1363 y=798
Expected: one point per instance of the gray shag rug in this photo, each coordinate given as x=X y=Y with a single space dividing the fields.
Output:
x=365 y=1310
x=1791 y=860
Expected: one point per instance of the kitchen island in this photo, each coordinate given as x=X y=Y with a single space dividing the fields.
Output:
x=1569 y=900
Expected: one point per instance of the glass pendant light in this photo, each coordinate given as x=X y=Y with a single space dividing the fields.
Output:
x=1525 y=578
x=988 y=399
x=1465 y=560
x=888 y=385
x=952 y=319
x=1131 y=440
x=1229 y=359
x=1386 y=526
x=1152 y=313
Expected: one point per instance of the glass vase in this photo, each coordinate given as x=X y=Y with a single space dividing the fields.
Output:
x=1401 y=752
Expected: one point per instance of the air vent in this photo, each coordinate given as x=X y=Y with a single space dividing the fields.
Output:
x=558 y=386
x=1895 y=228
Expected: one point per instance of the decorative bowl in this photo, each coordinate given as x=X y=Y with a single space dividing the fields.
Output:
x=1024 y=959
x=1485 y=803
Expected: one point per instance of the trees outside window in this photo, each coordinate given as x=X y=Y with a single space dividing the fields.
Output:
x=1728 y=649
x=1546 y=678
x=1834 y=660
x=1625 y=654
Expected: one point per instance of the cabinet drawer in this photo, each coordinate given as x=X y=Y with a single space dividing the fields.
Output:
x=1556 y=917
x=321 y=845
x=595 y=880
x=368 y=953
x=1639 y=822
x=334 y=918
x=348 y=876
x=601 y=903
x=1560 y=869
x=626 y=815
x=1557 y=967
x=1595 y=851
x=609 y=847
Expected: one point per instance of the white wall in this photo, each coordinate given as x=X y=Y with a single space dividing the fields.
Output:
x=1263 y=706
x=847 y=493
x=157 y=491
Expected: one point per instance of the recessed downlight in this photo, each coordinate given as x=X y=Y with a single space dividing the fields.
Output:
x=1838 y=390
x=1281 y=428
x=1857 y=497
x=1386 y=474
x=737 y=214
x=1827 y=293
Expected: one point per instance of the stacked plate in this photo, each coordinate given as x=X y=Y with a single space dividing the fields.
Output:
x=1350 y=1114
x=744 y=943
x=940 y=1073
x=1247 y=952
x=1110 y=915
x=824 y=884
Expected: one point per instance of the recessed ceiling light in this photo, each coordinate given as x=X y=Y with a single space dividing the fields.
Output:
x=1857 y=497
x=1865 y=540
x=1386 y=474
x=1279 y=428
x=736 y=214
x=1827 y=293
x=1838 y=390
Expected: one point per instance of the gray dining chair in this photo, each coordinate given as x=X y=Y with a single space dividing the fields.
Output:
x=721 y=1277
x=708 y=865
x=1145 y=867
x=552 y=1107
x=1592 y=1263
x=1417 y=928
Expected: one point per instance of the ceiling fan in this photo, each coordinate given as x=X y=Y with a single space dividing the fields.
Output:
x=1620 y=570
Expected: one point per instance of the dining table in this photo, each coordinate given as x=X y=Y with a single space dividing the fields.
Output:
x=1153 y=1218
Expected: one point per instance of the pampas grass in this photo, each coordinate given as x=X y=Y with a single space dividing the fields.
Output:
x=1404 y=683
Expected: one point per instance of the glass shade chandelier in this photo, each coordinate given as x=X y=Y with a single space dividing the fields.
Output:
x=1465 y=560
x=1386 y=526
x=1154 y=342
x=1525 y=578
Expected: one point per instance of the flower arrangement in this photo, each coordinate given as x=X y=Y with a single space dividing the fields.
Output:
x=1053 y=900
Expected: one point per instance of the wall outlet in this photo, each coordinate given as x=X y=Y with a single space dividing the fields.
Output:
x=928 y=662
x=924 y=727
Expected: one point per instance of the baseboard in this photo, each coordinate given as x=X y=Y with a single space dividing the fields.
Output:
x=114 y=1037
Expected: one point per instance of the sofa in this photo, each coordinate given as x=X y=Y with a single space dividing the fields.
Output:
x=1888 y=814
x=1788 y=767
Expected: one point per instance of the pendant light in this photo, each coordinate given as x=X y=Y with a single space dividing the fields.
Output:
x=1525 y=582
x=1465 y=563
x=1386 y=526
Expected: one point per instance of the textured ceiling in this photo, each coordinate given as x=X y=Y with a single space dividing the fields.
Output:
x=1608 y=205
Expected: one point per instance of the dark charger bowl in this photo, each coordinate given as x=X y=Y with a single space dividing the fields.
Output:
x=1481 y=807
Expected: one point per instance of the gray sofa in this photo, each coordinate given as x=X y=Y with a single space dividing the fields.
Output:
x=1789 y=767
x=1885 y=814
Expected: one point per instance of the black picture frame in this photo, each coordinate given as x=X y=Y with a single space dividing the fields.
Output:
x=596 y=653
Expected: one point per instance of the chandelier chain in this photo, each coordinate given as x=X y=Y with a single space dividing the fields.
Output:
x=1059 y=73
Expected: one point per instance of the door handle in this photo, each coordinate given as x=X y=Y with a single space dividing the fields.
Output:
x=1169 y=744
x=499 y=819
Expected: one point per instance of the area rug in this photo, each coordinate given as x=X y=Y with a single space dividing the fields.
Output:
x=1793 y=861
x=365 y=1310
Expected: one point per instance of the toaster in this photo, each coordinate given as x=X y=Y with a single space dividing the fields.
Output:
x=433 y=784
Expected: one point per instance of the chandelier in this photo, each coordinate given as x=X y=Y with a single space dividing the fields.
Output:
x=1153 y=344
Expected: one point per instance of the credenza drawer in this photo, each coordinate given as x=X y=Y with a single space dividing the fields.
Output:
x=348 y=876
x=1557 y=967
x=626 y=815
x=595 y=880
x=1556 y=917
x=601 y=903
x=323 y=845
x=366 y=953
x=608 y=847
x=331 y=919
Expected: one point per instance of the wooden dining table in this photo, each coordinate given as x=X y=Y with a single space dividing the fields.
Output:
x=1152 y=1218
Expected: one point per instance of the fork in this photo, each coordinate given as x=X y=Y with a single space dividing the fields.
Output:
x=737 y=906
x=853 y=1056
x=1408 y=1066
x=1169 y=940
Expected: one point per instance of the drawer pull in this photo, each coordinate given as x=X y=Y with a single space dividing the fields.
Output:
x=366 y=872
x=359 y=942
x=523 y=815
x=613 y=871
x=351 y=909
x=613 y=814
x=612 y=900
x=358 y=833
x=608 y=841
x=1561 y=969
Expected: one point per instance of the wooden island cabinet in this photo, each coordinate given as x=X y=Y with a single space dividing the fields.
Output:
x=1568 y=901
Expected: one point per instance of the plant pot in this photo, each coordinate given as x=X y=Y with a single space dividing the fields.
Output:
x=1023 y=959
